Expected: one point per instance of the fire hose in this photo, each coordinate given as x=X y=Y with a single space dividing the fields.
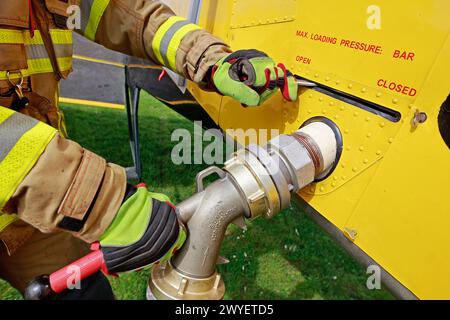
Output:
x=256 y=181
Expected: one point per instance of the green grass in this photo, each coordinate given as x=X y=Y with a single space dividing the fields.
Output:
x=288 y=257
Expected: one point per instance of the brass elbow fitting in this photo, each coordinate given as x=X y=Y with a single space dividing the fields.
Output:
x=256 y=181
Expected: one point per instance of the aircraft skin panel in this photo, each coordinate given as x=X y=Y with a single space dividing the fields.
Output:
x=403 y=218
x=377 y=67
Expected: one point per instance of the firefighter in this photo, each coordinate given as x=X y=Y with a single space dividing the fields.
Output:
x=57 y=197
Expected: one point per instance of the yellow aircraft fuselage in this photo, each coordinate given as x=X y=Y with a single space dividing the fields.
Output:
x=382 y=68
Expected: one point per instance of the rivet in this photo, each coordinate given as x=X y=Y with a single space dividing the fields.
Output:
x=348 y=148
x=361 y=148
x=368 y=119
x=382 y=124
x=343 y=165
x=333 y=184
x=411 y=106
x=309 y=111
x=369 y=135
x=350 y=86
x=312 y=189
x=378 y=152
x=331 y=103
x=366 y=161
x=320 y=99
x=338 y=82
x=327 y=79
x=336 y=117
x=342 y=108
x=378 y=94
x=391 y=140
x=336 y=178
x=355 y=169
x=346 y=131
x=310 y=95
x=324 y=111
x=316 y=75
x=395 y=101
x=363 y=90
x=322 y=189
x=343 y=177
x=355 y=114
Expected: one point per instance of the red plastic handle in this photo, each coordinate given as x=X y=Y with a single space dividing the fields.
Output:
x=79 y=270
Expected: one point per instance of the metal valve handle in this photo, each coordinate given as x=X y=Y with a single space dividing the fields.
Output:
x=206 y=173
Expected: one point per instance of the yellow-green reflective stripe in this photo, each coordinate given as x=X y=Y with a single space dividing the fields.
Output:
x=37 y=66
x=11 y=36
x=168 y=38
x=6 y=220
x=97 y=10
x=37 y=57
x=11 y=130
x=160 y=35
x=58 y=36
x=5 y=113
x=175 y=44
x=15 y=75
x=22 y=157
x=45 y=65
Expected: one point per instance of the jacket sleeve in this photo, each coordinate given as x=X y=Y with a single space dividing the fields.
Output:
x=147 y=28
x=53 y=183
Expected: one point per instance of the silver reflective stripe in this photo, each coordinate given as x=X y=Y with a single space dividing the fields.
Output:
x=86 y=6
x=38 y=51
x=168 y=37
x=12 y=129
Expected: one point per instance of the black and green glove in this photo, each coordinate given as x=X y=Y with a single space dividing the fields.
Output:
x=251 y=77
x=145 y=231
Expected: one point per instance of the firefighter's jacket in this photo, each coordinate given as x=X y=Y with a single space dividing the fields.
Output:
x=47 y=181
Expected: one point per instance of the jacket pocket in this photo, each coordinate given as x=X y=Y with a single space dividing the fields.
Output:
x=42 y=109
x=14 y=13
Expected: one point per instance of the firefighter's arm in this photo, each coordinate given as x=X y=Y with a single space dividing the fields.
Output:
x=149 y=29
x=56 y=185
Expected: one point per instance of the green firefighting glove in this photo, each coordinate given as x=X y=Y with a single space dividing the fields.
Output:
x=145 y=231
x=251 y=77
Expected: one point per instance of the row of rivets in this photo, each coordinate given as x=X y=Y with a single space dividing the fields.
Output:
x=260 y=22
